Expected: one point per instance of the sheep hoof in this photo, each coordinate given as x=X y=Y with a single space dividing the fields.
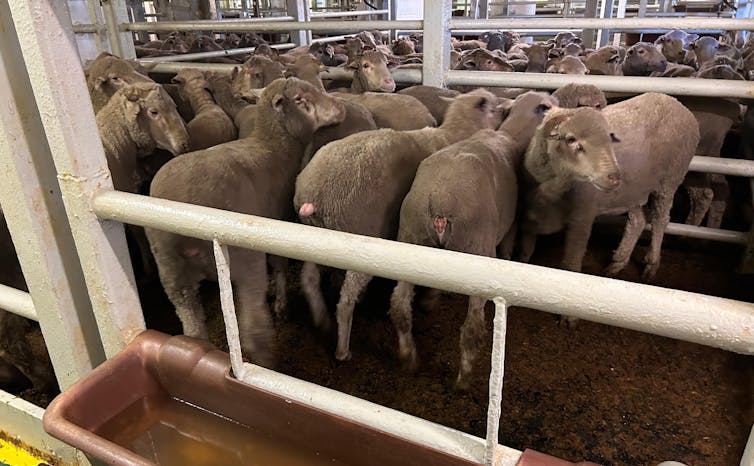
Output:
x=614 y=269
x=410 y=362
x=462 y=383
x=568 y=322
x=279 y=308
x=649 y=273
x=343 y=355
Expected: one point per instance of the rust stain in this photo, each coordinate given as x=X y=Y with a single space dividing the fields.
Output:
x=50 y=460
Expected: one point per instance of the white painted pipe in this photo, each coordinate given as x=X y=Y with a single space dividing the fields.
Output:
x=633 y=84
x=722 y=166
x=253 y=25
x=213 y=53
x=706 y=320
x=343 y=14
x=18 y=302
x=605 y=23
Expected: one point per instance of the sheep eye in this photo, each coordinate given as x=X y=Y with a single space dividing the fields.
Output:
x=153 y=113
x=115 y=78
x=570 y=139
x=366 y=65
x=542 y=108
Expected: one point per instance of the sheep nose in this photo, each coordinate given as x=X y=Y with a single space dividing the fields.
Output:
x=613 y=179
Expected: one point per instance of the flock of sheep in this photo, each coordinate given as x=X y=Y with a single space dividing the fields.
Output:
x=480 y=171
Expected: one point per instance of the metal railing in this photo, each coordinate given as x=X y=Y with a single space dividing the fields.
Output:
x=93 y=212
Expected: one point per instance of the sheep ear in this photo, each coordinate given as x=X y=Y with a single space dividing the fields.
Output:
x=614 y=137
x=450 y=99
x=177 y=80
x=234 y=73
x=277 y=102
x=504 y=105
x=354 y=64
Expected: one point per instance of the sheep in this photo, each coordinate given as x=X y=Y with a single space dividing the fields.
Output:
x=307 y=68
x=708 y=193
x=483 y=60
x=675 y=70
x=253 y=176
x=404 y=46
x=412 y=114
x=371 y=74
x=357 y=184
x=256 y=73
x=642 y=59
x=464 y=199
x=606 y=60
x=568 y=65
x=580 y=95
x=210 y=125
x=704 y=50
x=139 y=118
x=108 y=73
x=499 y=40
x=537 y=55
x=575 y=169
x=240 y=110
x=429 y=96
x=674 y=45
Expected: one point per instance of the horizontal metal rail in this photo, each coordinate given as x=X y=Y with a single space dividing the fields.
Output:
x=706 y=320
x=18 y=302
x=214 y=53
x=343 y=14
x=605 y=23
x=633 y=84
x=690 y=231
x=86 y=28
x=252 y=25
x=722 y=166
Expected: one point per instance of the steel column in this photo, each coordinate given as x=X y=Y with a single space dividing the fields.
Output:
x=587 y=35
x=497 y=370
x=436 y=42
x=299 y=11
x=121 y=42
x=30 y=199
x=51 y=58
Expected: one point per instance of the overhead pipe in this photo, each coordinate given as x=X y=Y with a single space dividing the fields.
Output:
x=255 y=25
x=605 y=23
x=342 y=14
x=215 y=53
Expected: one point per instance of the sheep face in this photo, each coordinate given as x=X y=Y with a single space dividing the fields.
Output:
x=188 y=80
x=372 y=71
x=580 y=95
x=300 y=107
x=605 y=60
x=155 y=112
x=580 y=147
x=256 y=73
x=642 y=59
x=705 y=48
x=674 y=44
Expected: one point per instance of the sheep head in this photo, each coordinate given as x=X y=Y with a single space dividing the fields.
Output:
x=371 y=70
x=300 y=107
x=580 y=147
x=152 y=109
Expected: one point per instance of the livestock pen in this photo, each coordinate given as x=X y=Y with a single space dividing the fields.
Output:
x=66 y=219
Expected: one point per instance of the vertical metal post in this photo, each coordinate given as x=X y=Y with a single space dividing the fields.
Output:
x=484 y=9
x=496 y=379
x=222 y=262
x=50 y=54
x=244 y=9
x=37 y=221
x=587 y=35
x=642 y=13
x=606 y=11
x=94 y=18
x=299 y=10
x=138 y=9
x=620 y=14
x=436 y=42
x=121 y=42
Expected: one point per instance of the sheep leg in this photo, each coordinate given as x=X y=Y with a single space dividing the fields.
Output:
x=505 y=248
x=700 y=199
x=659 y=219
x=182 y=289
x=634 y=227
x=140 y=238
x=280 y=269
x=353 y=285
x=721 y=194
x=310 y=284
x=577 y=237
x=400 y=314
x=528 y=243
x=249 y=275
x=472 y=334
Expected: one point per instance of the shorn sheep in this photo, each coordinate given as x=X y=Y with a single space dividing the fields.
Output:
x=464 y=199
x=357 y=185
x=582 y=163
x=255 y=176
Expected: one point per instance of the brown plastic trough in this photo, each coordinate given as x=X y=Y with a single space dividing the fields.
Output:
x=170 y=400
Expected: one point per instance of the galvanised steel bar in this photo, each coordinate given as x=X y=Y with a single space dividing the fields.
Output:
x=722 y=166
x=18 y=302
x=256 y=25
x=31 y=204
x=228 y=306
x=436 y=59
x=342 y=14
x=400 y=424
x=51 y=57
x=497 y=371
x=300 y=11
x=633 y=84
x=713 y=234
x=215 y=53
x=605 y=23
x=706 y=320
x=86 y=28
x=121 y=42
